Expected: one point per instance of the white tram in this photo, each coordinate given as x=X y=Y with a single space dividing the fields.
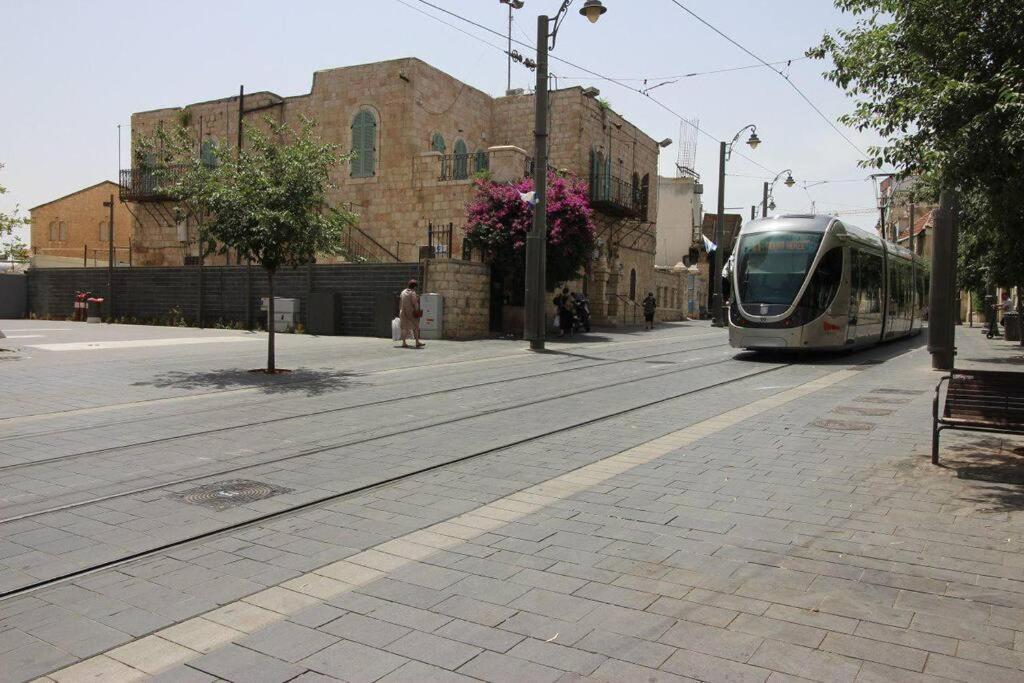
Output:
x=814 y=283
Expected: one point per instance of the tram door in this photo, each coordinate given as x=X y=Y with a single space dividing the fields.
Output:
x=866 y=277
x=855 y=287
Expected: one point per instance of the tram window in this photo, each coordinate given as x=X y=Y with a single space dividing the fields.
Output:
x=773 y=266
x=870 y=284
x=823 y=285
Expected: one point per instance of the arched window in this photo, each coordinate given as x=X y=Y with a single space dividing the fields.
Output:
x=632 y=284
x=645 y=195
x=364 y=145
x=635 y=191
x=53 y=231
x=601 y=180
x=437 y=143
x=207 y=152
x=104 y=232
x=63 y=231
x=481 y=163
x=461 y=170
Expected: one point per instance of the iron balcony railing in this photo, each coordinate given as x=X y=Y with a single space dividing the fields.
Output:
x=147 y=184
x=463 y=166
x=359 y=247
x=614 y=195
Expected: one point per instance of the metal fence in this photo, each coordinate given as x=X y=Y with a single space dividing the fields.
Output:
x=463 y=166
x=440 y=239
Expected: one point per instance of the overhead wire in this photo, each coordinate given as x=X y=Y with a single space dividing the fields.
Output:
x=784 y=77
x=600 y=76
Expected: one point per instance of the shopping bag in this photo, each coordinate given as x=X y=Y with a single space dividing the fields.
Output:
x=396 y=329
x=556 y=321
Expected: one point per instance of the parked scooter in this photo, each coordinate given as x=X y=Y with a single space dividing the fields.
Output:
x=582 y=310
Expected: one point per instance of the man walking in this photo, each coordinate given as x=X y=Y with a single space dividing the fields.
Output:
x=650 y=304
x=409 y=314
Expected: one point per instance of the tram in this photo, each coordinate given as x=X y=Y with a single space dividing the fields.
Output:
x=815 y=283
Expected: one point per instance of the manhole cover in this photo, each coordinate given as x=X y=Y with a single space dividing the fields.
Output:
x=861 y=410
x=906 y=392
x=880 y=399
x=844 y=425
x=222 y=495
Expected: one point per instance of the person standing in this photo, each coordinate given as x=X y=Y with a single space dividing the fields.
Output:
x=566 y=316
x=650 y=304
x=409 y=314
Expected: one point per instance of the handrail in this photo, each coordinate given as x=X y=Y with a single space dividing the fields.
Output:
x=377 y=244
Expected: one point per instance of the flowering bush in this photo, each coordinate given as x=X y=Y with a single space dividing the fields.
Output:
x=498 y=221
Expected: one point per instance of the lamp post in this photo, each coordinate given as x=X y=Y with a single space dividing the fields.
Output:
x=536 y=242
x=768 y=199
x=724 y=153
x=512 y=4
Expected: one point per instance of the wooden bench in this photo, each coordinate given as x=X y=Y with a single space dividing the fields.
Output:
x=979 y=400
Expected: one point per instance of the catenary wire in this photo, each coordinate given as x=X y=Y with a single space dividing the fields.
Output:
x=784 y=77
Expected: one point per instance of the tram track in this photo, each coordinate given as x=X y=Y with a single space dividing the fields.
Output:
x=130 y=557
x=355 y=442
x=292 y=383
x=325 y=411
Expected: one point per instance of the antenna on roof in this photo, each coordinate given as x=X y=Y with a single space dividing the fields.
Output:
x=687 y=158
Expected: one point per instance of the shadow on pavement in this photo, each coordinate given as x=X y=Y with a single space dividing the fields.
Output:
x=303 y=380
x=871 y=355
x=990 y=460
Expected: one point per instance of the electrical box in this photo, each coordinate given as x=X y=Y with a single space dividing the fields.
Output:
x=286 y=313
x=432 y=322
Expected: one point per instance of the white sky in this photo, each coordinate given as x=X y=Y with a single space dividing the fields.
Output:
x=73 y=70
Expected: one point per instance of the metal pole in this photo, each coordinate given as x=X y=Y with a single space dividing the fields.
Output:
x=881 y=224
x=753 y=212
x=110 y=258
x=764 y=201
x=912 y=223
x=509 y=86
x=940 y=303
x=536 y=241
x=716 y=266
x=241 y=112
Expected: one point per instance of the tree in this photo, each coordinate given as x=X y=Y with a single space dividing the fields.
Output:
x=942 y=81
x=498 y=220
x=267 y=203
x=14 y=249
x=9 y=221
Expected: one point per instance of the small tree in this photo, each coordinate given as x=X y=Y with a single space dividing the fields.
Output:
x=498 y=220
x=9 y=221
x=267 y=203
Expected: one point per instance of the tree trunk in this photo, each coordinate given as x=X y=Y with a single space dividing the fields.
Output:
x=270 y=323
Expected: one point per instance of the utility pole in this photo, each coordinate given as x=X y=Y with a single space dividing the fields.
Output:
x=941 y=328
x=716 y=268
x=248 y=265
x=536 y=240
x=110 y=259
x=912 y=207
x=764 y=201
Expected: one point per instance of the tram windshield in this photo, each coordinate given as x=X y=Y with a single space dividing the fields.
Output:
x=773 y=265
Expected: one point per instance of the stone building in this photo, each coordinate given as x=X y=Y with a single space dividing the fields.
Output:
x=679 y=220
x=75 y=229
x=420 y=136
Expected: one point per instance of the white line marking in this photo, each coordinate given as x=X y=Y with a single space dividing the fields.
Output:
x=25 y=336
x=137 y=343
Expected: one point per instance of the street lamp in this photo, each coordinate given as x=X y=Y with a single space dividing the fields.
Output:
x=724 y=154
x=768 y=191
x=512 y=4
x=536 y=242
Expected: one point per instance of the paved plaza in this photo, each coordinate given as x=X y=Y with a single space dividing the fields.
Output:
x=630 y=506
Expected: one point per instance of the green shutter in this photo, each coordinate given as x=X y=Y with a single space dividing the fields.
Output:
x=461 y=161
x=364 y=140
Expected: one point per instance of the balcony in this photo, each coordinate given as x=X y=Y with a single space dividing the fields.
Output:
x=615 y=196
x=145 y=184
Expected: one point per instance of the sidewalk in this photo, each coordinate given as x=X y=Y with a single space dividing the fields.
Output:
x=800 y=535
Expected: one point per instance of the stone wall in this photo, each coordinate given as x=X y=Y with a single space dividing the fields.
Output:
x=82 y=214
x=466 y=288
x=225 y=293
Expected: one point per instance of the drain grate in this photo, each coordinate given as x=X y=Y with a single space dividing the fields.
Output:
x=223 y=495
x=905 y=392
x=862 y=410
x=880 y=399
x=843 y=425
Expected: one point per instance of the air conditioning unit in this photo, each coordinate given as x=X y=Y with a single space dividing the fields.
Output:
x=698 y=188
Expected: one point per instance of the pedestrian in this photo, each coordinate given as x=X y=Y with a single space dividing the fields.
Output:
x=1005 y=306
x=566 y=316
x=409 y=314
x=650 y=304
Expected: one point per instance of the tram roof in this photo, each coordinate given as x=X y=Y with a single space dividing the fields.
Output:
x=806 y=222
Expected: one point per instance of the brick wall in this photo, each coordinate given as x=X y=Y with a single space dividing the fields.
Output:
x=466 y=288
x=153 y=292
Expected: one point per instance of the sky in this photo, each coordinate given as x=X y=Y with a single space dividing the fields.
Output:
x=75 y=69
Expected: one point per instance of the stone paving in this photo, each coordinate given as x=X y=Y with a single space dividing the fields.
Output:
x=783 y=527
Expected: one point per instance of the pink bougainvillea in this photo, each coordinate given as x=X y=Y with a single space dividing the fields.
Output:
x=498 y=221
